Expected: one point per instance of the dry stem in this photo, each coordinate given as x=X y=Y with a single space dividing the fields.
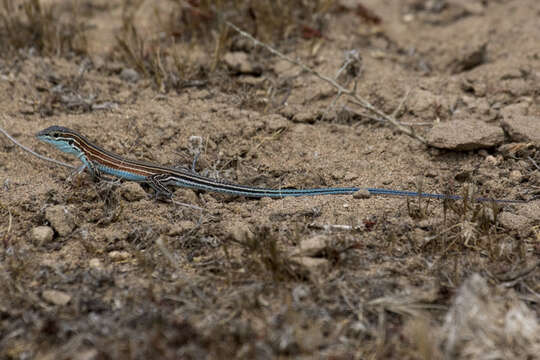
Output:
x=351 y=93
x=35 y=153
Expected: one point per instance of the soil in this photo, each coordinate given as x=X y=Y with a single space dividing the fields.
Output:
x=98 y=270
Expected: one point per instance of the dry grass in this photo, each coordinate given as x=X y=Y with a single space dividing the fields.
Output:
x=202 y=24
x=50 y=30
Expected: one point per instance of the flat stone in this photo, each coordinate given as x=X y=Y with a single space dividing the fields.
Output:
x=530 y=210
x=61 y=218
x=116 y=255
x=513 y=221
x=129 y=75
x=518 y=109
x=522 y=128
x=42 y=234
x=56 y=297
x=239 y=62
x=465 y=135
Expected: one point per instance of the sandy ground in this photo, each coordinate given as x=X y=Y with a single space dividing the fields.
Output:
x=98 y=270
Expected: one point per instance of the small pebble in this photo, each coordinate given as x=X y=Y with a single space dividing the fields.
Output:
x=239 y=62
x=42 y=234
x=129 y=75
x=56 y=297
x=119 y=255
x=515 y=175
x=95 y=263
x=362 y=194
x=492 y=160
x=61 y=218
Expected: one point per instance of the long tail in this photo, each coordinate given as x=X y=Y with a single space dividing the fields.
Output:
x=375 y=191
x=254 y=192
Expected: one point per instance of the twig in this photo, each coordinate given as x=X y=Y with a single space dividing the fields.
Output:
x=35 y=153
x=512 y=277
x=194 y=207
x=534 y=162
x=351 y=93
x=402 y=102
x=330 y=227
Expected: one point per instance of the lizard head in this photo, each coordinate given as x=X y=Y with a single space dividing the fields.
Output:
x=62 y=138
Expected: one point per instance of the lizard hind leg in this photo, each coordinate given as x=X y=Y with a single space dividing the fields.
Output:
x=156 y=182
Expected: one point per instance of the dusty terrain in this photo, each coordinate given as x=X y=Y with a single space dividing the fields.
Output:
x=100 y=270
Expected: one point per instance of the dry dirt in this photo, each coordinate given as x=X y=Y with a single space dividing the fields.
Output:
x=99 y=270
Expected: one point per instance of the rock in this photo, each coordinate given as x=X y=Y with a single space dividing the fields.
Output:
x=518 y=109
x=512 y=221
x=522 y=128
x=530 y=210
x=465 y=135
x=350 y=176
x=308 y=117
x=275 y=122
x=56 y=297
x=129 y=75
x=186 y=195
x=362 y=194
x=251 y=80
x=61 y=218
x=468 y=58
x=240 y=232
x=239 y=62
x=493 y=160
x=116 y=255
x=42 y=234
x=95 y=264
x=311 y=247
x=515 y=175
x=132 y=191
